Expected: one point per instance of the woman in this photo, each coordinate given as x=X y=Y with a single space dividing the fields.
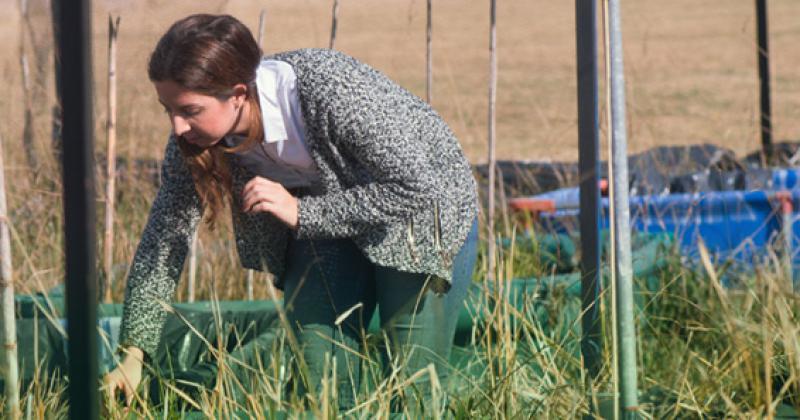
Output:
x=350 y=190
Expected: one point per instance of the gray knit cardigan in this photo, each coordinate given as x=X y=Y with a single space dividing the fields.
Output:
x=393 y=178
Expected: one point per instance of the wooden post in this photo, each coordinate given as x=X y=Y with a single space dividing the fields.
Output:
x=334 y=23
x=429 y=54
x=261 y=20
x=111 y=158
x=28 y=123
x=7 y=298
x=57 y=111
x=492 y=159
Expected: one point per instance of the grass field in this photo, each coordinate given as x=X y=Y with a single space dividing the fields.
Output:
x=703 y=352
x=691 y=73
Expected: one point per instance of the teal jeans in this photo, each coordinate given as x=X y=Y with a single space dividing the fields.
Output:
x=331 y=293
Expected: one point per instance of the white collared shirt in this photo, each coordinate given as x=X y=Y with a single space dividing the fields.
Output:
x=283 y=155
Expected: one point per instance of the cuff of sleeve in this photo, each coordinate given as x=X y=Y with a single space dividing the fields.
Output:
x=307 y=217
x=149 y=349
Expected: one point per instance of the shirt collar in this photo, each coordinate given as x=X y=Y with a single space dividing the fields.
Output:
x=268 y=84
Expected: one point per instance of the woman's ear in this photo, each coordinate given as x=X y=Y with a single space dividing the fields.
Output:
x=239 y=94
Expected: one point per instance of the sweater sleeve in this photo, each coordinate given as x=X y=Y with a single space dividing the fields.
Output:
x=376 y=123
x=161 y=253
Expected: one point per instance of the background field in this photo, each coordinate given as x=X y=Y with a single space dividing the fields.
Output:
x=691 y=68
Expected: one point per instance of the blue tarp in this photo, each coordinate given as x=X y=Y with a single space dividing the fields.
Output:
x=736 y=226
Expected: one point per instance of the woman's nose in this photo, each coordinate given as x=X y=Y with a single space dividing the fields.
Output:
x=179 y=125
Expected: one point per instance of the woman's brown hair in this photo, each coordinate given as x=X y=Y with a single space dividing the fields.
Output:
x=209 y=54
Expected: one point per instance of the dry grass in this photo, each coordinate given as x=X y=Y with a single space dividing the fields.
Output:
x=704 y=352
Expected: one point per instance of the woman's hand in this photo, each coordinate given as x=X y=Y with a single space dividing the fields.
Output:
x=263 y=195
x=126 y=377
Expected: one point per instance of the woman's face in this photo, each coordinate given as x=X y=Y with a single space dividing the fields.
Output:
x=200 y=119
